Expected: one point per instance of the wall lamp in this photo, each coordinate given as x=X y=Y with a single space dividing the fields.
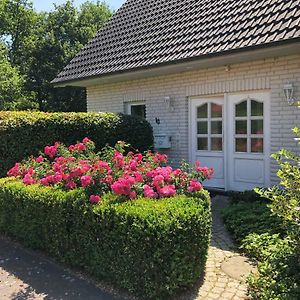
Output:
x=169 y=103
x=289 y=93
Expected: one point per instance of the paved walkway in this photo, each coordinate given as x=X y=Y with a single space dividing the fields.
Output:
x=226 y=269
x=26 y=274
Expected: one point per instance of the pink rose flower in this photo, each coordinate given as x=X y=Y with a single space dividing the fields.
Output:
x=44 y=181
x=149 y=192
x=194 y=186
x=95 y=199
x=86 y=180
x=39 y=159
x=132 y=195
x=15 y=170
x=71 y=185
x=167 y=191
x=28 y=180
x=86 y=140
x=50 y=151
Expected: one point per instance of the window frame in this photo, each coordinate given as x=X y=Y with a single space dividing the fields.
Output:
x=129 y=105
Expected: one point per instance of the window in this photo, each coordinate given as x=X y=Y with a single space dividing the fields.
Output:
x=210 y=127
x=137 y=109
x=249 y=126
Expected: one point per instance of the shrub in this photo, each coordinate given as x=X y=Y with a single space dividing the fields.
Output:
x=246 y=196
x=127 y=175
x=285 y=199
x=24 y=133
x=150 y=247
x=278 y=276
x=244 y=218
x=268 y=227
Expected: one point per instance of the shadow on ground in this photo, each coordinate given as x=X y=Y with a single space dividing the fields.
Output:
x=25 y=274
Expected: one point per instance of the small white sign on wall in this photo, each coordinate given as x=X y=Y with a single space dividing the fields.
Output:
x=162 y=141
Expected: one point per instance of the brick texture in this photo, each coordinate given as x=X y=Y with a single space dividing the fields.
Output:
x=269 y=74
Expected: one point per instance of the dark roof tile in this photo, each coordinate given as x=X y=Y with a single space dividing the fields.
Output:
x=152 y=32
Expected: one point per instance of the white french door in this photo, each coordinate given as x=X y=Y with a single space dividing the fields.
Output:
x=231 y=135
x=248 y=141
x=208 y=137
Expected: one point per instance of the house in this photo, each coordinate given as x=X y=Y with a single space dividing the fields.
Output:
x=218 y=80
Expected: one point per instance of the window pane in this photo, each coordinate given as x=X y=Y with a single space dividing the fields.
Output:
x=240 y=145
x=202 y=111
x=216 y=144
x=257 y=145
x=241 y=109
x=216 y=111
x=138 y=110
x=202 y=127
x=216 y=127
x=257 y=108
x=202 y=144
x=257 y=127
x=241 y=127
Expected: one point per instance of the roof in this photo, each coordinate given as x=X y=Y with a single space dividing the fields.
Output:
x=145 y=33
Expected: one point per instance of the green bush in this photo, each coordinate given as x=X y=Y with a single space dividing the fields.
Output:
x=285 y=199
x=149 y=247
x=278 y=277
x=25 y=133
x=244 y=218
x=264 y=238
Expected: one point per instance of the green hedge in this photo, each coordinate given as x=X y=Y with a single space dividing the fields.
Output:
x=25 y=133
x=151 y=248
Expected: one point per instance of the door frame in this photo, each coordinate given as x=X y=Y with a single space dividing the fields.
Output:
x=226 y=120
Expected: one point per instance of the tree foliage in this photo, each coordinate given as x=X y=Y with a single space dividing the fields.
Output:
x=12 y=85
x=41 y=44
x=286 y=197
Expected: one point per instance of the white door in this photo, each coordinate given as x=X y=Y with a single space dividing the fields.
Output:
x=248 y=141
x=231 y=134
x=207 y=128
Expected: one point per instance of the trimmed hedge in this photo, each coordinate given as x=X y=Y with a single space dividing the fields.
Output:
x=25 y=133
x=149 y=247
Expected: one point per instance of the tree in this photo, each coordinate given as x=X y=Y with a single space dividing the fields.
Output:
x=19 y=25
x=40 y=45
x=67 y=30
x=12 y=83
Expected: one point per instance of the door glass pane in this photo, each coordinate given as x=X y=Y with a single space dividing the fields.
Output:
x=216 y=127
x=202 y=127
x=202 y=144
x=216 y=144
x=240 y=145
x=241 y=109
x=138 y=110
x=241 y=127
x=257 y=108
x=202 y=111
x=216 y=111
x=257 y=127
x=257 y=145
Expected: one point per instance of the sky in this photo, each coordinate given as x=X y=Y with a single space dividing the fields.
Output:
x=47 y=5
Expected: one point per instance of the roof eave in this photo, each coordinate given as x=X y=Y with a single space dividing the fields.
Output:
x=282 y=48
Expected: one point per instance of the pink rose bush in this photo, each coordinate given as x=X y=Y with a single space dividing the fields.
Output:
x=130 y=175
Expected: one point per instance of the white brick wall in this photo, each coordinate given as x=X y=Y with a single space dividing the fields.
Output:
x=268 y=74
